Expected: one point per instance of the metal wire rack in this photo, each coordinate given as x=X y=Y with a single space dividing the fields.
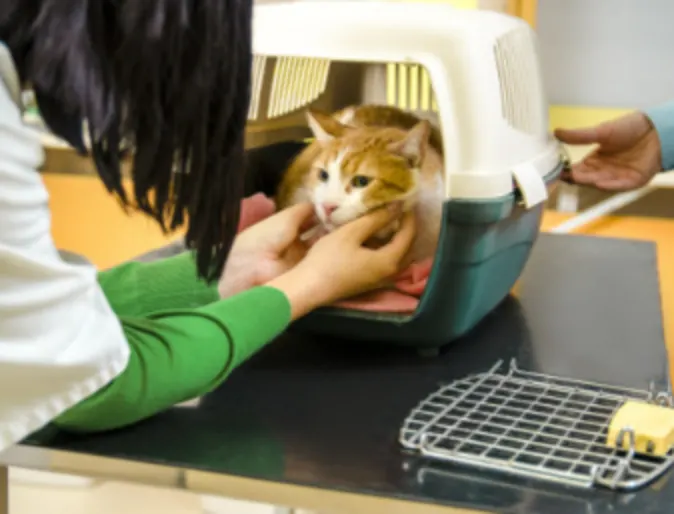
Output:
x=534 y=425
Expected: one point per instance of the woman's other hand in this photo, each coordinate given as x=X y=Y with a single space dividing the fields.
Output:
x=266 y=250
x=339 y=266
x=628 y=155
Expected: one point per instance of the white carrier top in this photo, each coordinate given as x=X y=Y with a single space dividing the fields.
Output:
x=483 y=68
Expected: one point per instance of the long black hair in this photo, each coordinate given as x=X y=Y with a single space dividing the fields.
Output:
x=170 y=78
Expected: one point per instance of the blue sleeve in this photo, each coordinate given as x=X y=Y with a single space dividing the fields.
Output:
x=662 y=117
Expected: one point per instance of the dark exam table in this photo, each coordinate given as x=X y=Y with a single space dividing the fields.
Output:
x=325 y=414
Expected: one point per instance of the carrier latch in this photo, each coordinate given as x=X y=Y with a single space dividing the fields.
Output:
x=531 y=185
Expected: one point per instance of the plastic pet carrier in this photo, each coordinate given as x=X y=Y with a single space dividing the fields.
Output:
x=476 y=75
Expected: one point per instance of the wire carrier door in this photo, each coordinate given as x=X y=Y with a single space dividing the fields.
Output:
x=534 y=425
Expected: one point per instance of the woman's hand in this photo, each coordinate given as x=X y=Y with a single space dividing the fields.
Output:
x=628 y=155
x=338 y=266
x=266 y=250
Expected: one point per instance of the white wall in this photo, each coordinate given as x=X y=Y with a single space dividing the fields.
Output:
x=608 y=53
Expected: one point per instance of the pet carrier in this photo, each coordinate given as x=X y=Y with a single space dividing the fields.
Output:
x=476 y=74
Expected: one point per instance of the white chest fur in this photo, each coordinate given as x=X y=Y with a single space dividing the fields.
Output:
x=428 y=211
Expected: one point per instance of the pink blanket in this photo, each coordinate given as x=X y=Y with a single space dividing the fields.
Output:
x=409 y=285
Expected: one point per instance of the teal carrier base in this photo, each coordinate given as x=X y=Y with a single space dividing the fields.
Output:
x=483 y=248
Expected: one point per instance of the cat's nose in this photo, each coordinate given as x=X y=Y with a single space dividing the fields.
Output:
x=329 y=208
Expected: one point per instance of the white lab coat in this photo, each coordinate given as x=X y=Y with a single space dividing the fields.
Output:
x=59 y=339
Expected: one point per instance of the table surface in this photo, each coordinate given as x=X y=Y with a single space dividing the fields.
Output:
x=325 y=414
x=649 y=229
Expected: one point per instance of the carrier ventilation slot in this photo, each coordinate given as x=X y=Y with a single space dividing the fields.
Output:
x=520 y=81
x=297 y=82
x=408 y=86
x=257 y=81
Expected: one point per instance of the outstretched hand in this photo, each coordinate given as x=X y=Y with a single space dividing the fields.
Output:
x=627 y=157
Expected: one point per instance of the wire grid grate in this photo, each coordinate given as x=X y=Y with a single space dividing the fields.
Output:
x=534 y=425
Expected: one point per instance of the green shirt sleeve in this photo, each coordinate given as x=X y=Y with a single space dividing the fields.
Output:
x=180 y=355
x=140 y=288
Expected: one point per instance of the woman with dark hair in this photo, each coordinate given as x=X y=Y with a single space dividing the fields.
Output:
x=170 y=80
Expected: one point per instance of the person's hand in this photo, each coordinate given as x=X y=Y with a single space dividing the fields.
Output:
x=339 y=266
x=266 y=250
x=628 y=155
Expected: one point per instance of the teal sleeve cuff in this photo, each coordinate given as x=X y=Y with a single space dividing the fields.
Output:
x=662 y=117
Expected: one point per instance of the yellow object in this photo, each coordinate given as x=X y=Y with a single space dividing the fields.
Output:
x=570 y=116
x=525 y=9
x=653 y=427
x=86 y=219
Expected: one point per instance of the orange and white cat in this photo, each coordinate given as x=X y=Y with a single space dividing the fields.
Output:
x=366 y=157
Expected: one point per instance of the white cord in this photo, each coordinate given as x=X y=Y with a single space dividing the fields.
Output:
x=601 y=209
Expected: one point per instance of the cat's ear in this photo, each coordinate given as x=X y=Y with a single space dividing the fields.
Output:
x=324 y=126
x=413 y=146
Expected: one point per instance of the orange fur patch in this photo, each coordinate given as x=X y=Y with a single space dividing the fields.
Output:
x=362 y=147
x=366 y=157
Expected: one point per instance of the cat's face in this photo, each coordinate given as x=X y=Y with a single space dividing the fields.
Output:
x=361 y=169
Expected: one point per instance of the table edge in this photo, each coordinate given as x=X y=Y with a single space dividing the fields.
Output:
x=210 y=483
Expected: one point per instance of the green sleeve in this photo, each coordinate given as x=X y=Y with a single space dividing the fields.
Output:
x=180 y=355
x=139 y=288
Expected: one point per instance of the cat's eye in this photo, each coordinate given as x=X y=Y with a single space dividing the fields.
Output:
x=360 y=181
x=323 y=176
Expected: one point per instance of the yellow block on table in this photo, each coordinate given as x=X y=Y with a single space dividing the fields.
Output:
x=653 y=427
